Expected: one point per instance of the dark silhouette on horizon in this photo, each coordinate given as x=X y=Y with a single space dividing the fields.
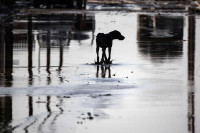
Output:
x=80 y=4
x=105 y=41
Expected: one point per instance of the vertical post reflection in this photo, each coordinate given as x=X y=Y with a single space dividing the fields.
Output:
x=191 y=48
x=8 y=52
x=60 y=57
x=37 y=51
x=48 y=52
x=191 y=71
x=30 y=104
x=2 y=49
x=69 y=38
x=48 y=104
x=48 y=56
x=5 y=113
x=93 y=31
x=30 y=49
x=61 y=54
x=48 y=107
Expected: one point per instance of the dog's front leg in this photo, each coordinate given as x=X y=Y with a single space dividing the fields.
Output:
x=103 y=55
x=109 y=56
x=97 y=52
x=109 y=53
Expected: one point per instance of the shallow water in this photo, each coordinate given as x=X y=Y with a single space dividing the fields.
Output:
x=49 y=82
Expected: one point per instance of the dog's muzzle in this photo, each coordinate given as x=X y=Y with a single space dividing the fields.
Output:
x=122 y=38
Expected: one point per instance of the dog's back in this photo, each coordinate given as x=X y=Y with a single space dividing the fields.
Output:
x=103 y=40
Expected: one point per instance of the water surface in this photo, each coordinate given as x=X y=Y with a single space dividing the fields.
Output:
x=49 y=82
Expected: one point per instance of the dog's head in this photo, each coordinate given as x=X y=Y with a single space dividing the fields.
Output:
x=117 y=35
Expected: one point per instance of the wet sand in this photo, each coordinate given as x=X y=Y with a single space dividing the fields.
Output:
x=151 y=86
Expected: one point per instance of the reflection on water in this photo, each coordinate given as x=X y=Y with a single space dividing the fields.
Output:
x=6 y=53
x=191 y=74
x=104 y=69
x=160 y=36
x=34 y=50
x=37 y=37
x=5 y=112
x=7 y=116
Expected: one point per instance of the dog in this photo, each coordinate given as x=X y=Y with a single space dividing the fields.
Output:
x=106 y=41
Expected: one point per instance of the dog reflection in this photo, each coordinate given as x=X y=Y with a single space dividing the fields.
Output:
x=104 y=69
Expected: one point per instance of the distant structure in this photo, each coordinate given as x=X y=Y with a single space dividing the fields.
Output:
x=68 y=3
x=8 y=3
x=80 y=4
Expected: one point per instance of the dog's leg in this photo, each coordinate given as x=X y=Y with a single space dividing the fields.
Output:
x=97 y=52
x=104 y=58
x=109 y=53
x=109 y=56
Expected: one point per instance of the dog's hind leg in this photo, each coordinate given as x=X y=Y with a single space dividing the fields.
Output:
x=103 y=58
x=97 y=52
x=108 y=61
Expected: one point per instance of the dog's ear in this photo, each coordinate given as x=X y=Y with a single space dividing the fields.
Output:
x=117 y=32
x=114 y=31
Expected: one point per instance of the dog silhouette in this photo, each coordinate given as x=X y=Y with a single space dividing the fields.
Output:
x=106 y=41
